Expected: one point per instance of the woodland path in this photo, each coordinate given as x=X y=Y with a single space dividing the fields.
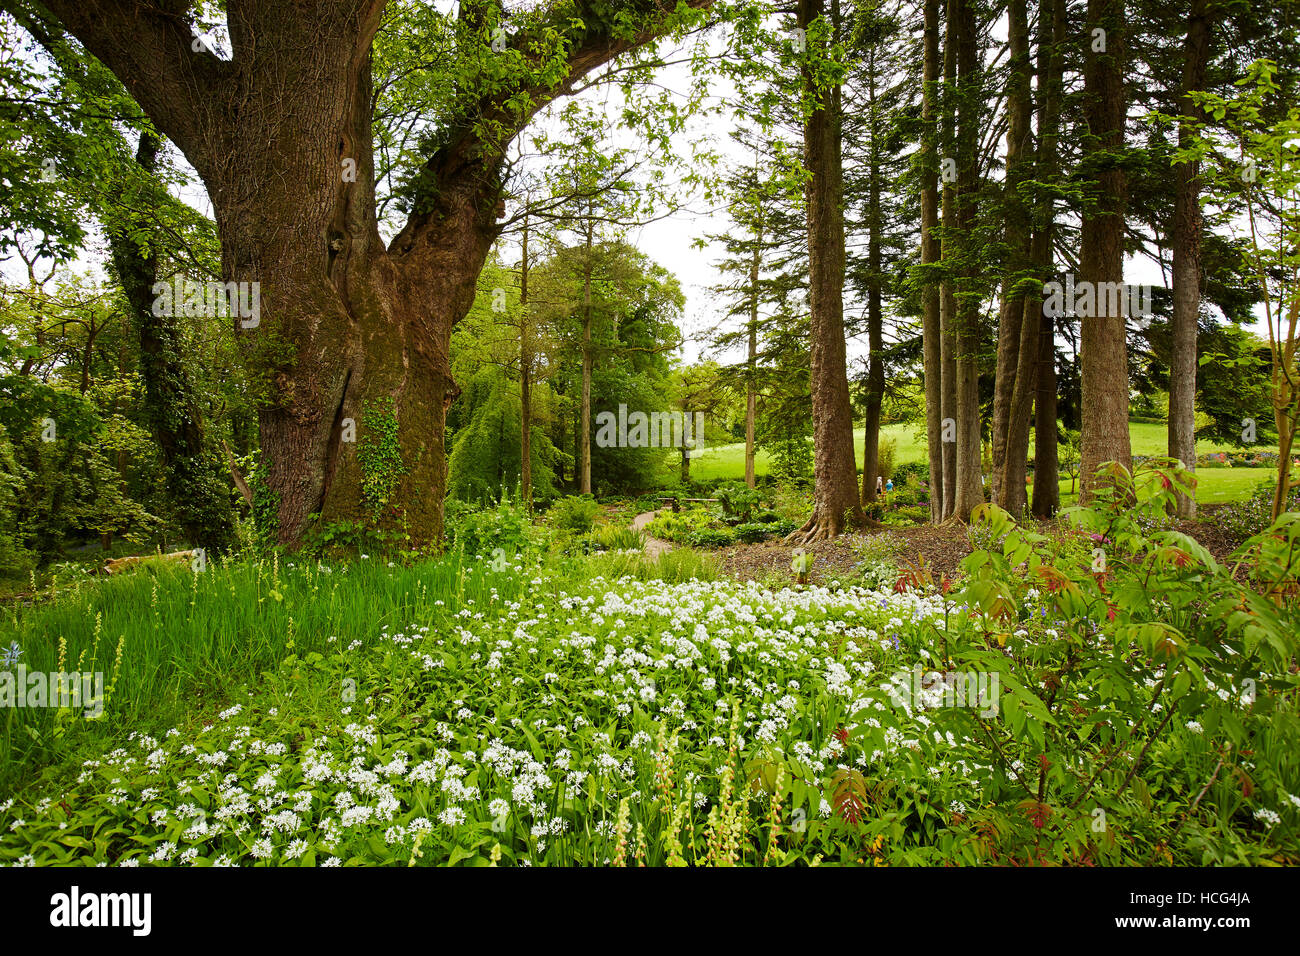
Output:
x=653 y=546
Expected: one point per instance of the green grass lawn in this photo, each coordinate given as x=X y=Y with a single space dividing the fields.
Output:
x=1216 y=485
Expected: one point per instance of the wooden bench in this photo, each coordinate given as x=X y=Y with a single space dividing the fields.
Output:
x=676 y=501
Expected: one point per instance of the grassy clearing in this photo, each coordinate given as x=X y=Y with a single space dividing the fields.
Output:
x=1217 y=485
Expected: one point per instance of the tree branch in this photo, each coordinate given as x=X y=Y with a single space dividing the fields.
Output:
x=150 y=47
x=590 y=50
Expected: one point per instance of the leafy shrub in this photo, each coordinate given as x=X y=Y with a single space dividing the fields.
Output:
x=608 y=537
x=908 y=515
x=702 y=487
x=677 y=527
x=912 y=473
x=480 y=531
x=885 y=457
x=711 y=537
x=791 y=502
x=1244 y=519
x=754 y=531
x=1147 y=647
x=738 y=500
x=902 y=497
x=647 y=503
x=574 y=513
x=783 y=527
x=350 y=539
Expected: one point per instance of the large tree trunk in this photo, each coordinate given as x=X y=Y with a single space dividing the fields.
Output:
x=875 y=315
x=947 y=293
x=1103 y=357
x=1034 y=324
x=196 y=486
x=835 y=491
x=584 y=443
x=969 y=484
x=930 y=325
x=1186 y=242
x=1018 y=253
x=370 y=326
x=281 y=136
x=751 y=357
x=1047 y=467
x=1285 y=396
x=525 y=381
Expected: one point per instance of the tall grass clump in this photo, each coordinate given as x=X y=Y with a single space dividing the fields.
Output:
x=172 y=641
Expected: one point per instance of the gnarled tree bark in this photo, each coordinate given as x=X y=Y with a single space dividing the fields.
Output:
x=281 y=136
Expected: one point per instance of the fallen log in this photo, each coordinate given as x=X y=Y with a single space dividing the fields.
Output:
x=114 y=565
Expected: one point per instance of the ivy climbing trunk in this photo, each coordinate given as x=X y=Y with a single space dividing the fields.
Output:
x=196 y=489
x=525 y=381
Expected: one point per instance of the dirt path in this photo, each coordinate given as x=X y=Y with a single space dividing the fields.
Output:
x=653 y=546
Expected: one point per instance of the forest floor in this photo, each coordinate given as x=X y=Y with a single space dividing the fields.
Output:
x=940 y=547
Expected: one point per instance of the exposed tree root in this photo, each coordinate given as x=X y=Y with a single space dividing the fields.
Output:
x=824 y=527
